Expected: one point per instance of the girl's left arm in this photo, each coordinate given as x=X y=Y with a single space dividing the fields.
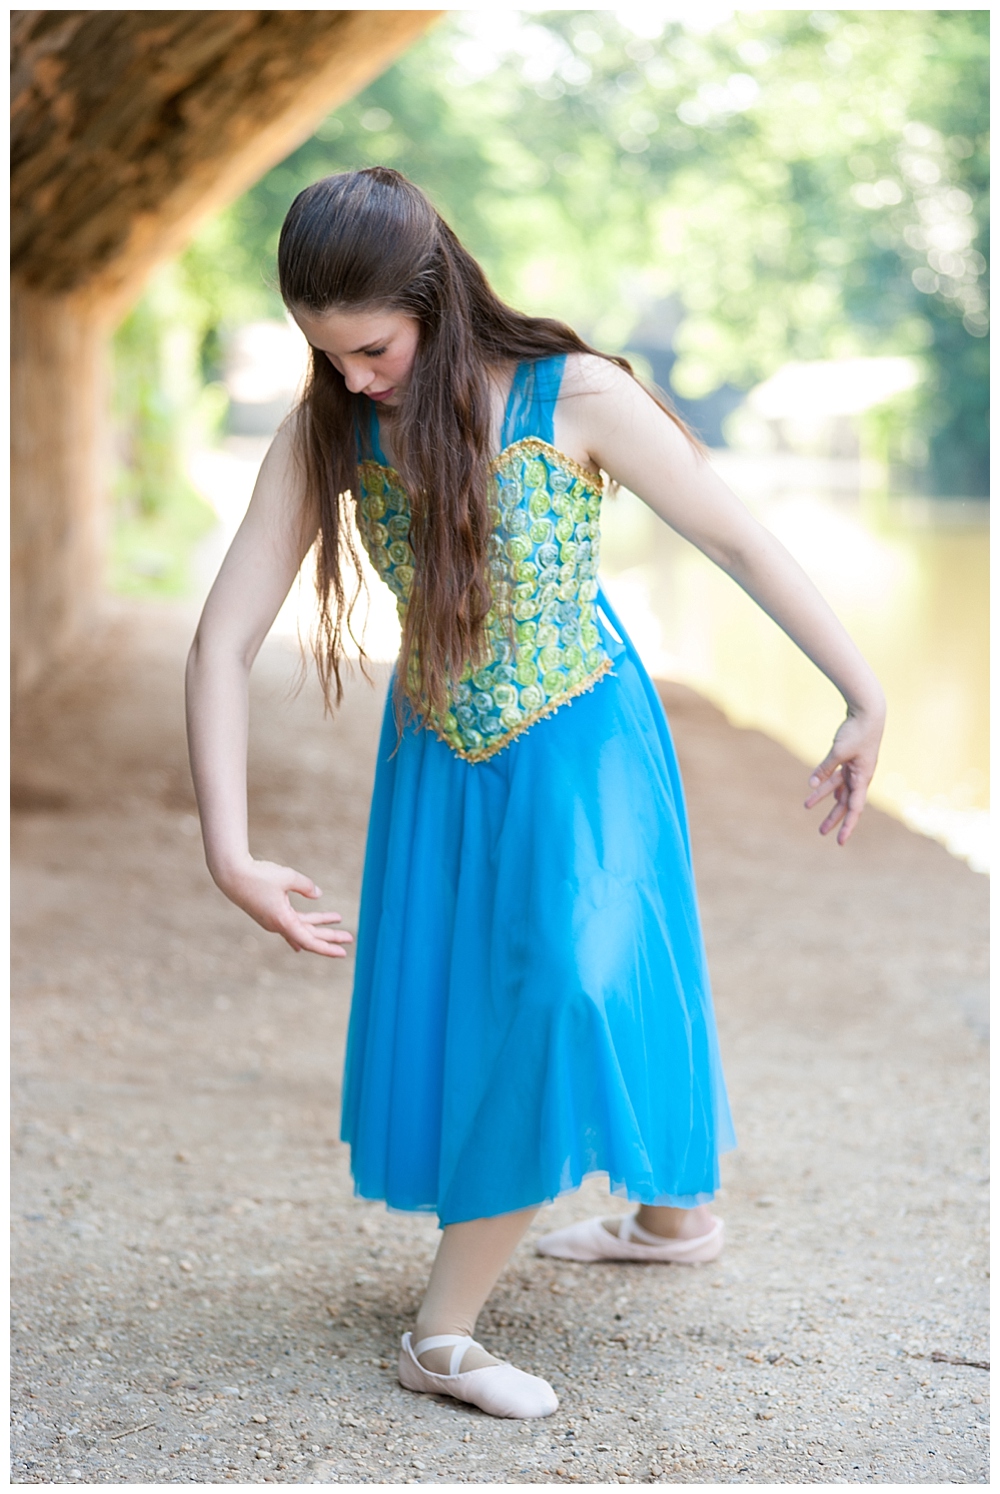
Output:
x=630 y=438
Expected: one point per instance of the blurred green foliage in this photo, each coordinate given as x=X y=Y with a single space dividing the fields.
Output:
x=151 y=551
x=799 y=184
x=160 y=404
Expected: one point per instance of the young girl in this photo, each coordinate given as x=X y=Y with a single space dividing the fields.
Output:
x=531 y=1003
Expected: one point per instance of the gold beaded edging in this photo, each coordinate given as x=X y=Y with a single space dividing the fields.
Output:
x=534 y=446
x=529 y=446
x=550 y=707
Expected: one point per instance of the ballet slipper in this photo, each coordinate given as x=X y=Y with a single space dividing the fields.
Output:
x=498 y=1389
x=590 y=1241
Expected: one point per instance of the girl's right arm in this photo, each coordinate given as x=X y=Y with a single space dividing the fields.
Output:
x=254 y=580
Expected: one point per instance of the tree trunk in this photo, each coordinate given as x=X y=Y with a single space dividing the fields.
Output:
x=59 y=438
x=128 y=127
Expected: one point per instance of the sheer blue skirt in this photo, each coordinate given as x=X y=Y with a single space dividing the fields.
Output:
x=531 y=1000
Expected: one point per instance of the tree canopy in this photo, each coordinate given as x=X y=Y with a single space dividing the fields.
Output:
x=795 y=184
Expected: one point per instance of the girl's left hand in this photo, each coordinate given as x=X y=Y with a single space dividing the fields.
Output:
x=846 y=772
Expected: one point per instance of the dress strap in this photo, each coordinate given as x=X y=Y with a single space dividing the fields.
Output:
x=532 y=400
x=518 y=404
x=366 y=435
x=376 y=443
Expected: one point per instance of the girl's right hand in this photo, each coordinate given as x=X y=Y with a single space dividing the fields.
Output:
x=261 y=889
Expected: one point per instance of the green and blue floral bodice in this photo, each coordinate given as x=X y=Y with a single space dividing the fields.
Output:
x=545 y=546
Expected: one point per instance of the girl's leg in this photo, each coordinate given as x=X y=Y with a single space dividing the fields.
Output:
x=670 y=1224
x=470 y=1257
x=676 y=1224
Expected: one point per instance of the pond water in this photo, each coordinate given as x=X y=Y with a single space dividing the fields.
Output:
x=909 y=579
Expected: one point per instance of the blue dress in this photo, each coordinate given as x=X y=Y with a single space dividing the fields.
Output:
x=531 y=1000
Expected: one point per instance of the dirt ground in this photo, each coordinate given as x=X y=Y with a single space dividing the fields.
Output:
x=199 y=1297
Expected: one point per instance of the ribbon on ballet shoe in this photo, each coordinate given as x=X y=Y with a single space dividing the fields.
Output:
x=498 y=1389
x=589 y=1241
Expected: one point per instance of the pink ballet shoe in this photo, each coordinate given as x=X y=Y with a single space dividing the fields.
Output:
x=590 y=1241
x=498 y=1389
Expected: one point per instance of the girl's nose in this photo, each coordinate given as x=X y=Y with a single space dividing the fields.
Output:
x=357 y=377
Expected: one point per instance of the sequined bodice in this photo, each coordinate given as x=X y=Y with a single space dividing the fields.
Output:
x=545 y=546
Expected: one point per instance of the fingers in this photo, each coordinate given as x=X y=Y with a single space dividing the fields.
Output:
x=302 y=884
x=845 y=773
x=312 y=931
x=833 y=819
x=855 y=804
x=850 y=801
x=300 y=940
x=304 y=931
x=330 y=936
x=823 y=787
x=823 y=770
x=853 y=815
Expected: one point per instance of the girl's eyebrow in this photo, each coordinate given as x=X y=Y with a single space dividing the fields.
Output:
x=378 y=342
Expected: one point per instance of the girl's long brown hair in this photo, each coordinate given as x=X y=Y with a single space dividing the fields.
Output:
x=371 y=240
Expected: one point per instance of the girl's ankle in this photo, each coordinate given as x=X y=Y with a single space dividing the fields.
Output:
x=438 y=1361
x=428 y=1328
x=675 y=1224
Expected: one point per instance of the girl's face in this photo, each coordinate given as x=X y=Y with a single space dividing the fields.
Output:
x=372 y=350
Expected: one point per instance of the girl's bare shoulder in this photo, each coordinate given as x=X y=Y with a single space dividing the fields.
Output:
x=291 y=433
x=284 y=460
x=596 y=391
x=592 y=384
x=588 y=376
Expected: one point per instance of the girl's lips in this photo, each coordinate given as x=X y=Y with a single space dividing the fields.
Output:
x=382 y=394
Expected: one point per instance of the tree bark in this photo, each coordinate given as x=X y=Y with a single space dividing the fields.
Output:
x=59 y=471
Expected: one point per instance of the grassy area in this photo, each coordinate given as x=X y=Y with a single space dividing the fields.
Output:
x=151 y=551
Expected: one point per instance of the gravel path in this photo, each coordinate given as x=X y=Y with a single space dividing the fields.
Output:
x=198 y=1297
